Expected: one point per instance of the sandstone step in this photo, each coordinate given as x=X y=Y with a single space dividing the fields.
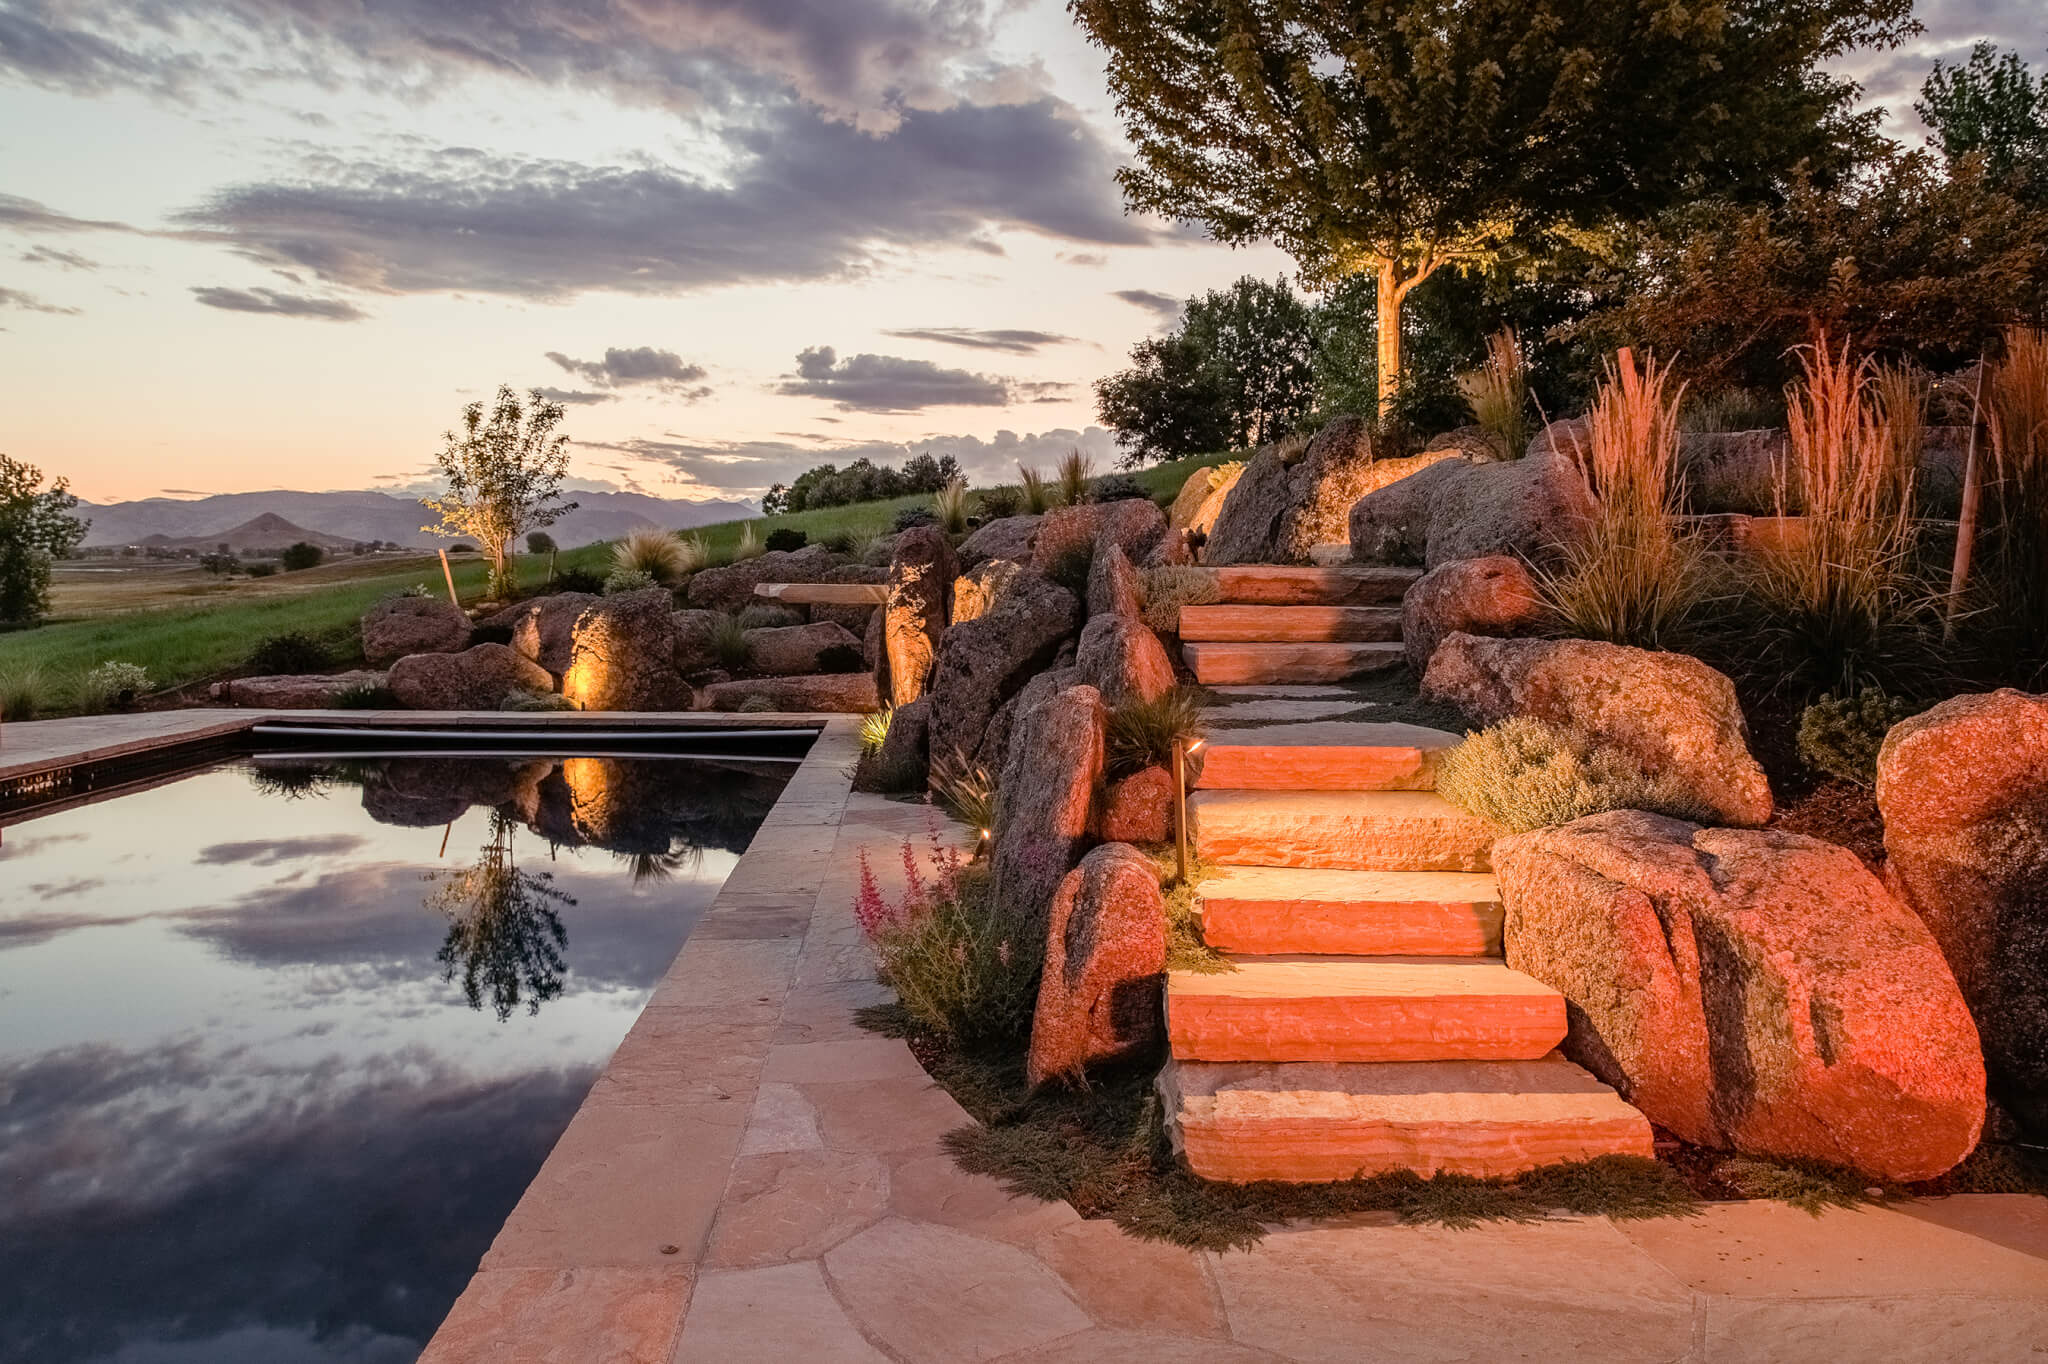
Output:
x=1270 y=911
x=1219 y=664
x=1309 y=1122
x=1282 y=585
x=1290 y=624
x=1362 y=1009
x=1322 y=755
x=1355 y=830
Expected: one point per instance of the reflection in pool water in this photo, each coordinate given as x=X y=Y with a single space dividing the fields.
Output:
x=281 y=1044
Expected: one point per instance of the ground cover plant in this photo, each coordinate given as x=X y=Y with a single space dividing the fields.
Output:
x=1525 y=774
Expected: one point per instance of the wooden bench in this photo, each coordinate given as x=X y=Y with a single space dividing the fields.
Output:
x=824 y=594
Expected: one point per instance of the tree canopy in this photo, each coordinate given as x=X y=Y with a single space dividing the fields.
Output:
x=36 y=528
x=1393 y=138
x=1991 y=107
x=828 y=485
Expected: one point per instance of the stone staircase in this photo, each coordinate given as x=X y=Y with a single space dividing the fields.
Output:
x=1370 y=1023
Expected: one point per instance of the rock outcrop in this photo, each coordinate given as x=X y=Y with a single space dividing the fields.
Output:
x=1454 y=509
x=1113 y=585
x=401 y=625
x=476 y=679
x=787 y=649
x=1201 y=500
x=976 y=590
x=1672 y=713
x=544 y=628
x=905 y=756
x=1132 y=524
x=984 y=661
x=1294 y=496
x=1008 y=538
x=1138 y=808
x=1752 y=990
x=849 y=693
x=731 y=588
x=1105 y=965
x=1048 y=787
x=1963 y=789
x=920 y=597
x=314 y=691
x=1123 y=660
x=1490 y=596
x=624 y=655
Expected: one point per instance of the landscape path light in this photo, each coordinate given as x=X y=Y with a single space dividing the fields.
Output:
x=1181 y=750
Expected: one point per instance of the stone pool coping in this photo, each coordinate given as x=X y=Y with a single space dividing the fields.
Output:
x=752 y=1177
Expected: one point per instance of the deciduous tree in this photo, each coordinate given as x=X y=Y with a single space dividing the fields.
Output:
x=504 y=472
x=36 y=528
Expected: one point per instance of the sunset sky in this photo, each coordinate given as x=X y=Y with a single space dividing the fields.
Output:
x=278 y=243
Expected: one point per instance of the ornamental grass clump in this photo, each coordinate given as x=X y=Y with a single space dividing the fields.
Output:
x=965 y=790
x=874 y=730
x=962 y=970
x=729 y=642
x=749 y=545
x=949 y=506
x=1631 y=578
x=1837 y=600
x=1499 y=391
x=654 y=552
x=692 y=554
x=1142 y=734
x=1073 y=472
x=2016 y=492
x=23 y=694
x=1525 y=774
x=1166 y=589
x=1032 y=488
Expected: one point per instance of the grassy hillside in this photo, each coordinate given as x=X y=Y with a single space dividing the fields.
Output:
x=186 y=628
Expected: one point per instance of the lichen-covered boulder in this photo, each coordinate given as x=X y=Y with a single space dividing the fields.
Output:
x=789 y=649
x=1287 y=490
x=731 y=588
x=1007 y=538
x=1132 y=524
x=1532 y=508
x=1048 y=787
x=1390 y=524
x=976 y=590
x=475 y=679
x=313 y=691
x=1105 y=966
x=849 y=693
x=1490 y=596
x=984 y=661
x=401 y=625
x=1672 y=713
x=1123 y=660
x=543 y=628
x=1056 y=678
x=920 y=597
x=1571 y=437
x=1113 y=585
x=1753 y=990
x=1138 y=808
x=905 y=756
x=1475 y=443
x=624 y=655
x=694 y=633
x=1963 y=789
x=1201 y=499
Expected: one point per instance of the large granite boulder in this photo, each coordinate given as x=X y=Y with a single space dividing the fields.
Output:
x=850 y=693
x=401 y=625
x=920 y=596
x=1056 y=678
x=1490 y=596
x=312 y=691
x=1201 y=498
x=694 y=633
x=624 y=655
x=1123 y=660
x=1132 y=524
x=904 y=760
x=1048 y=787
x=1010 y=538
x=543 y=628
x=1105 y=966
x=785 y=649
x=1572 y=437
x=1751 y=990
x=976 y=590
x=1137 y=808
x=1963 y=789
x=1475 y=443
x=732 y=588
x=1532 y=508
x=1672 y=713
x=1390 y=525
x=984 y=661
x=479 y=678
x=1113 y=585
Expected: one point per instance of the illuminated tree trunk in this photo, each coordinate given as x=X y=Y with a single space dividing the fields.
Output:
x=1389 y=326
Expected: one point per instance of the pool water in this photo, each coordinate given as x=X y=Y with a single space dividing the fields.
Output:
x=281 y=1043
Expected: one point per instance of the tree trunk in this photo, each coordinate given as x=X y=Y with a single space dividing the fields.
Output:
x=1388 y=322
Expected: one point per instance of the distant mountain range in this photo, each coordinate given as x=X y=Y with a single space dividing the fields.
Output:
x=337 y=520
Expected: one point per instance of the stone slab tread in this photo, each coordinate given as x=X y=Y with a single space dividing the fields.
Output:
x=1323 y=755
x=1223 y=664
x=1315 y=1008
x=1308 y=1122
x=1290 y=624
x=1347 y=830
x=1277 y=911
x=1286 y=585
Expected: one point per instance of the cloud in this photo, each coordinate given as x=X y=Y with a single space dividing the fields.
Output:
x=277 y=304
x=860 y=59
x=62 y=260
x=269 y=852
x=27 y=215
x=638 y=365
x=575 y=397
x=29 y=303
x=889 y=383
x=1016 y=341
x=807 y=199
x=1166 y=306
x=1090 y=259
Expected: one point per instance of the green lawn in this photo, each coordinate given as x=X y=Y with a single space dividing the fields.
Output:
x=185 y=640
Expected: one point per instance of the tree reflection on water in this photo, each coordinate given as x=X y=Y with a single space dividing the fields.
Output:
x=505 y=938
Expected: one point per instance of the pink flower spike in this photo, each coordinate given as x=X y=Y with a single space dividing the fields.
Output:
x=870 y=910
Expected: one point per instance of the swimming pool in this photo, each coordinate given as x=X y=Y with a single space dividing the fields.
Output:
x=282 y=1040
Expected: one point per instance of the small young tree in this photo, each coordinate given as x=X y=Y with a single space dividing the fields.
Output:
x=504 y=472
x=36 y=528
x=1393 y=138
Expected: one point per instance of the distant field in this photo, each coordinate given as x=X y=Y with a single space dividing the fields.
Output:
x=186 y=627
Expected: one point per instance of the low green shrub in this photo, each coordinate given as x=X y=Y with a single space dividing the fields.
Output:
x=962 y=969
x=111 y=686
x=909 y=518
x=295 y=651
x=998 y=503
x=1118 y=488
x=535 y=701
x=1524 y=774
x=1166 y=590
x=627 y=580
x=260 y=568
x=787 y=538
x=364 y=696
x=1143 y=733
x=577 y=580
x=756 y=705
x=1840 y=737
